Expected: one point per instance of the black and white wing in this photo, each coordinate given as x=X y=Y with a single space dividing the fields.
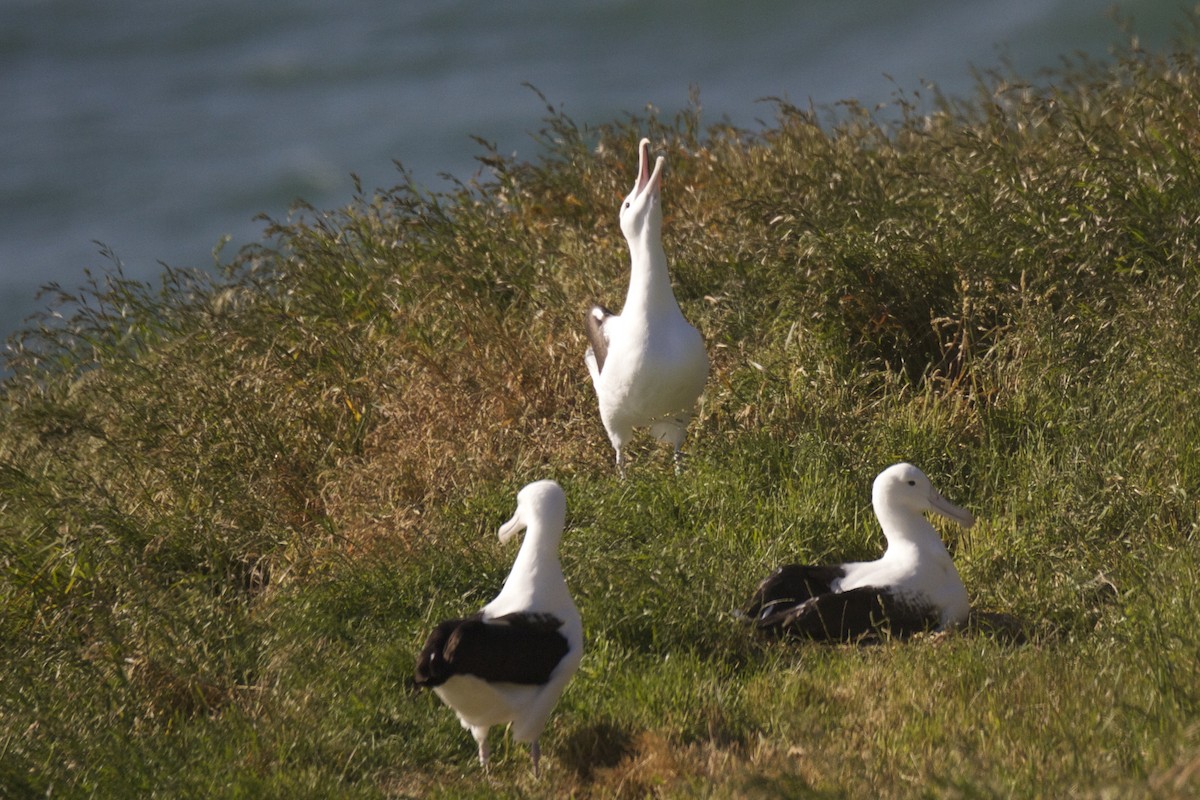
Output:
x=790 y=586
x=597 y=317
x=516 y=648
x=847 y=616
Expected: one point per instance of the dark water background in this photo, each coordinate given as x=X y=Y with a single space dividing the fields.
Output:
x=159 y=127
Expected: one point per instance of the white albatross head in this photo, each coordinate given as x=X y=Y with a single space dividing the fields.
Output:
x=541 y=505
x=641 y=210
x=903 y=488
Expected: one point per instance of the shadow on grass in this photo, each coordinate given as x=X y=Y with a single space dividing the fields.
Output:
x=1003 y=628
x=600 y=745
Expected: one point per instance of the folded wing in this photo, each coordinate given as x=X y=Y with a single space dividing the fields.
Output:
x=597 y=338
x=790 y=586
x=515 y=648
x=850 y=615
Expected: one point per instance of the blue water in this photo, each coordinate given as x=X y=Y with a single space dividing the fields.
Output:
x=159 y=127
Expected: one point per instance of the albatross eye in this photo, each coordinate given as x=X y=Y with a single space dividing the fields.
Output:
x=912 y=483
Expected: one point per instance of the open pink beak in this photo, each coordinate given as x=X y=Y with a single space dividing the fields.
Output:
x=646 y=178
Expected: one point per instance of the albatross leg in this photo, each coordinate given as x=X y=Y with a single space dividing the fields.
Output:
x=673 y=432
x=535 y=753
x=480 y=735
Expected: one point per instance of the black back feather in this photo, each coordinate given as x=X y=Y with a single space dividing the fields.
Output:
x=848 y=616
x=515 y=648
x=790 y=586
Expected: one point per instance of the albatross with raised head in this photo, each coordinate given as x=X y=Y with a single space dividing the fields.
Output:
x=648 y=364
x=509 y=663
x=913 y=587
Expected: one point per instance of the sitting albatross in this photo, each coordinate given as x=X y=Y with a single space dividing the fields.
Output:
x=913 y=587
x=648 y=364
x=510 y=662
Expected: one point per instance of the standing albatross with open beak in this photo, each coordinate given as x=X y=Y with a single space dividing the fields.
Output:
x=648 y=364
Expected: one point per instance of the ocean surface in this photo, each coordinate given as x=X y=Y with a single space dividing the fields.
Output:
x=161 y=127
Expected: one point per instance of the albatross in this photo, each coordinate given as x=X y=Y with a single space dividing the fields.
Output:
x=913 y=587
x=648 y=364
x=509 y=663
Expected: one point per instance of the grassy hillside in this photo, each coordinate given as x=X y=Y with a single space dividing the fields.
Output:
x=232 y=507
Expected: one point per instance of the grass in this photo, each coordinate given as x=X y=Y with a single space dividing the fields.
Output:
x=232 y=504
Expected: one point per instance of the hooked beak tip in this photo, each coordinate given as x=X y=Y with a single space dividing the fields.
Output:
x=963 y=517
x=947 y=509
x=508 y=530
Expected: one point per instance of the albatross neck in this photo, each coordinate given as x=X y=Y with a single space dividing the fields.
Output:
x=536 y=564
x=907 y=532
x=649 y=283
